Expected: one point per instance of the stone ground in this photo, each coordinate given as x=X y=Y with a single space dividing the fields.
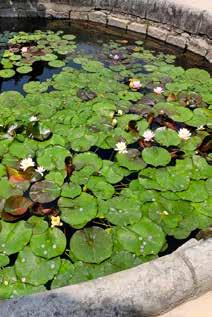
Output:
x=200 y=307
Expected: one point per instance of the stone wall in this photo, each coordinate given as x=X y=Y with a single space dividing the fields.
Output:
x=184 y=23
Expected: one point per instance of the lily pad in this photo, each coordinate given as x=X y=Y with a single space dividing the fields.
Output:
x=78 y=211
x=167 y=137
x=14 y=236
x=35 y=270
x=123 y=211
x=44 y=192
x=156 y=156
x=131 y=160
x=49 y=244
x=24 y=69
x=56 y=63
x=7 y=73
x=91 y=245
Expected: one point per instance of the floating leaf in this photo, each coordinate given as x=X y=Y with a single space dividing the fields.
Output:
x=37 y=224
x=44 y=192
x=131 y=160
x=167 y=137
x=64 y=274
x=91 y=245
x=17 y=205
x=14 y=236
x=123 y=211
x=156 y=156
x=56 y=63
x=52 y=157
x=4 y=260
x=7 y=73
x=24 y=69
x=48 y=244
x=100 y=188
x=79 y=211
x=35 y=270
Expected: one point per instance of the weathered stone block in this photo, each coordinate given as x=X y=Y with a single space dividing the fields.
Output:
x=137 y=27
x=98 y=16
x=117 y=22
x=157 y=32
x=177 y=40
x=78 y=15
x=198 y=46
x=209 y=56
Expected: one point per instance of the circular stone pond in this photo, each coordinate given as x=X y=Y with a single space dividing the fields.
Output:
x=104 y=152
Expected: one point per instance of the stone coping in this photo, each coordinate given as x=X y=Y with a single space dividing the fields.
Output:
x=183 y=23
x=143 y=291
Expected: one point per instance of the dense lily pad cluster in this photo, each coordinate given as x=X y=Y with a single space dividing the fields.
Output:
x=25 y=49
x=99 y=163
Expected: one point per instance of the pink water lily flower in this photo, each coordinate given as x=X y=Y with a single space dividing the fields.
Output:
x=135 y=84
x=24 y=49
x=158 y=90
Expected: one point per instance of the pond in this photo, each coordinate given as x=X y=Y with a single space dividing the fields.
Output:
x=105 y=152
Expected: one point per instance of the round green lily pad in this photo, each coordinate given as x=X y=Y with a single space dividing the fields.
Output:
x=48 y=244
x=35 y=270
x=14 y=236
x=78 y=211
x=24 y=69
x=91 y=245
x=44 y=192
x=156 y=156
x=7 y=73
x=56 y=63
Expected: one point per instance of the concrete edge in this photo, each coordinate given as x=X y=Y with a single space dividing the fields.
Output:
x=176 y=22
x=146 y=290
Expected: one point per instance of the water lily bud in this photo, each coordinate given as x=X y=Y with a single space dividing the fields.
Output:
x=111 y=114
x=114 y=122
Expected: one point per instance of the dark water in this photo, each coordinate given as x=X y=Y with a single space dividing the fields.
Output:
x=90 y=38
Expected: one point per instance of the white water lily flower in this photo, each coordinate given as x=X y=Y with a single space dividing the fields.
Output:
x=158 y=90
x=25 y=163
x=121 y=147
x=184 y=134
x=12 y=128
x=33 y=119
x=120 y=112
x=40 y=170
x=148 y=135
